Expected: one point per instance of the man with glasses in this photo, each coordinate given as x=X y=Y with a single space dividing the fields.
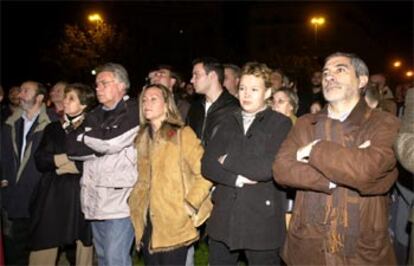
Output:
x=105 y=143
x=165 y=75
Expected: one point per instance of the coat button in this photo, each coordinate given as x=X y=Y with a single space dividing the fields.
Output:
x=267 y=202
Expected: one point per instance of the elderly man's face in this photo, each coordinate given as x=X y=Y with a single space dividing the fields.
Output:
x=109 y=90
x=340 y=83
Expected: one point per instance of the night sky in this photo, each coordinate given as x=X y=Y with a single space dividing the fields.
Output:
x=177 y=32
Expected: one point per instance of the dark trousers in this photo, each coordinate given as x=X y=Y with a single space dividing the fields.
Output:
x=220 y=254
x=176 y=256
x=16 y=241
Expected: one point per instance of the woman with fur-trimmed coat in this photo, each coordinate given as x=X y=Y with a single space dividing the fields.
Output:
x=168 y=154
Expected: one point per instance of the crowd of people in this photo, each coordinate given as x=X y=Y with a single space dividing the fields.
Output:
x=268 y=173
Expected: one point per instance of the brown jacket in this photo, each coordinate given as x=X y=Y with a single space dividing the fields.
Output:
x=346 y=225
x=159 y=191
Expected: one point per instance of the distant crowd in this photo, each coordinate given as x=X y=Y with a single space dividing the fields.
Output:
x=238 y=157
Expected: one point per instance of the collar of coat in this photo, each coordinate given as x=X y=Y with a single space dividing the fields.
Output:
x=357 y=117
x=167 y=132
x=42 y=121
x=223 y=100
x=259 y=116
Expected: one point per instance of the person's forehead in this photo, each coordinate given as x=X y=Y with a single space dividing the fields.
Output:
x=105 y=74
x=164 y=70
x=229 y=70
x=280 y=94
x=152 y=91
x=199 y=67
x=28 y=86
x=338 y=60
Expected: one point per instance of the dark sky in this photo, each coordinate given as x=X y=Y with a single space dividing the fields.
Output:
x=223 y=29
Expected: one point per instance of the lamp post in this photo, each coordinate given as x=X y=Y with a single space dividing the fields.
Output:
x=316 y=22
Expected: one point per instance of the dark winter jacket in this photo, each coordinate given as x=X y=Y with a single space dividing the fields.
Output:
x=22 y=175
x=251 y=217
x=205 y=126
x=57 y=218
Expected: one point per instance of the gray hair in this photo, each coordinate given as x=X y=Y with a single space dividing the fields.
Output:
x=119 y=72
x=361 y=68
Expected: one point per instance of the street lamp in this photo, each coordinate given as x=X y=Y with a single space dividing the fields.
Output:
x=95 y=18
x=409 y=74
x=316 y=22
x=397 y=64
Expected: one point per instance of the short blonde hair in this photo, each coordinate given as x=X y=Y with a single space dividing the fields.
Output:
x=258 y=70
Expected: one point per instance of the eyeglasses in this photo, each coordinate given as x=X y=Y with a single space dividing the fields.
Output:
x=104 y=83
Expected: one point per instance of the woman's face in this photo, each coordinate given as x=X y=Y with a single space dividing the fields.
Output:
x=281 y=103
x=154 y=106
x=252 y=93
x=71 y=104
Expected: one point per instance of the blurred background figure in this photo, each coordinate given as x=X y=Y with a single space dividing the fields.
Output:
x=375 y=99
x=231 y=78
x=167 y=76
x=285 y=101
x=56 y=96
x=403 y=217
x=384 y=89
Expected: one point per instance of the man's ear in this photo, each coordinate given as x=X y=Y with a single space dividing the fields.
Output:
x=173 y=81
x=363 y=81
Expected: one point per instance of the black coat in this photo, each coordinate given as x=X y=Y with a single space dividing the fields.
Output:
x=205 y=126
x=56 y=213
x=22 y=175
x=251 y=217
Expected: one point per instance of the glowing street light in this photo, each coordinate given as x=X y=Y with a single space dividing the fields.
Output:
x=397 y=64
x=95 y=18
x=409 y=73
x=317 y=22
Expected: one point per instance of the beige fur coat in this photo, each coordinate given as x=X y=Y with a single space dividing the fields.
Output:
x=159 y=191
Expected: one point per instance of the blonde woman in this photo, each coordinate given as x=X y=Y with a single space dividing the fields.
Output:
x=170 y=188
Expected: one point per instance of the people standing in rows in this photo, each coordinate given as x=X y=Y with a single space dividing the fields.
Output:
x=104 y=142
x=231 y=78
x=57 y=219
x=165 y=75
x=170 y=188
x=342 y=164
x=206 y=114
x=249 y=209
x=21 y=136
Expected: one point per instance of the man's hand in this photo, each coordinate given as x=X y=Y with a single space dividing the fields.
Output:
x=241 y=181
x=302 y=155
